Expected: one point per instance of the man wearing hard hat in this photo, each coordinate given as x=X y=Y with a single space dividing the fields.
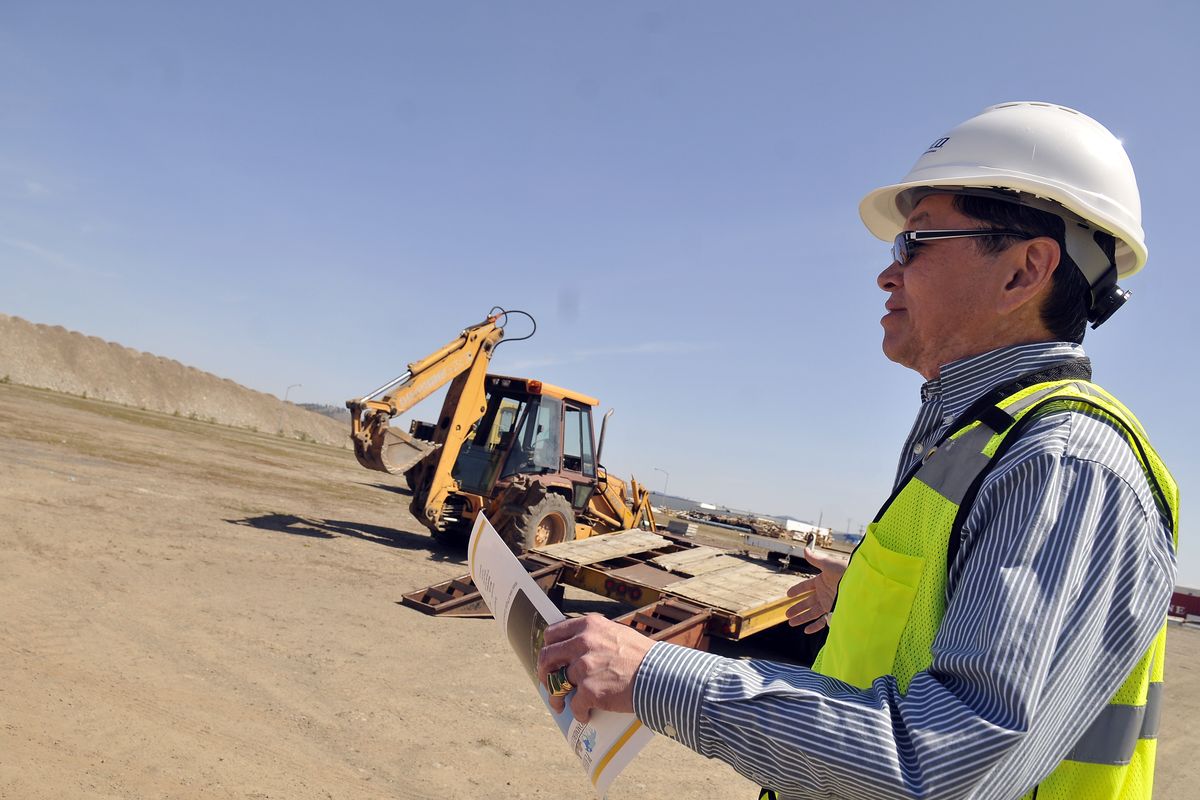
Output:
x=1000 y=631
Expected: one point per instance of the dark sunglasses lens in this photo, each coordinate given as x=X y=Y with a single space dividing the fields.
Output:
x=900 y=249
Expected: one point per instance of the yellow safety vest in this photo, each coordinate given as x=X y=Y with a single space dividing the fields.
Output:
x=892 y=599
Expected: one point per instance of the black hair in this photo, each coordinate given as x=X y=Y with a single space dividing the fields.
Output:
x=1065 y=312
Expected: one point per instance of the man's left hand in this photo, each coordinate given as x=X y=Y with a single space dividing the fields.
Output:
x=602 y=658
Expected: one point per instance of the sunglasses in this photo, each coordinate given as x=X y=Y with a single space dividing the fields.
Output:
x=904 y=246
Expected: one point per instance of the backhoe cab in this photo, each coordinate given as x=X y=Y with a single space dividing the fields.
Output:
x=519 y=449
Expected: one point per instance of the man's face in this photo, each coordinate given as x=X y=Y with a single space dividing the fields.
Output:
x=941 y=303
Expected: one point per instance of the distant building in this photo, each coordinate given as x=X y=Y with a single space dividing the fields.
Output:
x=682 y=504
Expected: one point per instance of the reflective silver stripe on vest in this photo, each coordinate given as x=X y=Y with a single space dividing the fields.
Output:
x=1111 y=737
x=1153 y=711
x=952 y=468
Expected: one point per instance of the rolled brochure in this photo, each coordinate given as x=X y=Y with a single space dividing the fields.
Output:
x=608 y=741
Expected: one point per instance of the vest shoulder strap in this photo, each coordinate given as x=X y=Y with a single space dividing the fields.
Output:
x=1110 y=411
x=987 y=410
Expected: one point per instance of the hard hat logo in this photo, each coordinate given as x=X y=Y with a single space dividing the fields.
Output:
x=1035 y=153
x=937 y=145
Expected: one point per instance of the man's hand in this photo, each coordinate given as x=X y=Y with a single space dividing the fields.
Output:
x=816 y=593
x=601 y=656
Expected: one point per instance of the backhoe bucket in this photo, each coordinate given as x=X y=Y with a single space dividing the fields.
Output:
x=391 y=450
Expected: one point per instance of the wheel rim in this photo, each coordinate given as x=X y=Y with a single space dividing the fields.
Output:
x=550 y=530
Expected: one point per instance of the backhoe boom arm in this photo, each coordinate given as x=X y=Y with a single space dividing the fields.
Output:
x=380 y=447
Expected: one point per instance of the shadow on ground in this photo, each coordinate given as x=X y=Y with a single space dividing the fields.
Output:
x=387 y=487
x=331 y=529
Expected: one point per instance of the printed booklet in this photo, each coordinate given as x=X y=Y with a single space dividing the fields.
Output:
x=608 y=741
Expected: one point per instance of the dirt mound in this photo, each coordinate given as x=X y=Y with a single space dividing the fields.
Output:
x=52 y=357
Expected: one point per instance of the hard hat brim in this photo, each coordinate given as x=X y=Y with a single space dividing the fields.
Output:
x=883 y=217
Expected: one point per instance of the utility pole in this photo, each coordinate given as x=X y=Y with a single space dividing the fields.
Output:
x=285 y=399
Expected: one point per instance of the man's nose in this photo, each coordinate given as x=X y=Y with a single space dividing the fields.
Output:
x=890 y=279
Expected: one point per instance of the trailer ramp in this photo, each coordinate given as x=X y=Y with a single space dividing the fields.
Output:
x=680 y=591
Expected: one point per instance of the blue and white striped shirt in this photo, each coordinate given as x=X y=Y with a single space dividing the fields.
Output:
x=1061 y=581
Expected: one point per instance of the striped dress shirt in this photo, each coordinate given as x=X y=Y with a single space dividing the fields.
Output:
x=1061 y=581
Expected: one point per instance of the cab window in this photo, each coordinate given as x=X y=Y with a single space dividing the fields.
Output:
x=577 y=441
x=538 y=444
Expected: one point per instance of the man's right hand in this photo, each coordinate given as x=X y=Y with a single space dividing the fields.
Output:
x=816 y=593
x=602 y=658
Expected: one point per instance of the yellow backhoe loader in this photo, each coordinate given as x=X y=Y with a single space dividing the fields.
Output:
x=518 y=449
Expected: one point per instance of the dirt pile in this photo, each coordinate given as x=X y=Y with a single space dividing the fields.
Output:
x=52 y=357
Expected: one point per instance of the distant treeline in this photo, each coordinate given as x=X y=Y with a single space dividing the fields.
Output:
x=334 y=412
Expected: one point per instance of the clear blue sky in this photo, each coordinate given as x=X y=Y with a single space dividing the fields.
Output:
x=290 y=192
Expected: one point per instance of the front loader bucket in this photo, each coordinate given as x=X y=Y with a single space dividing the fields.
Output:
x=391 y=450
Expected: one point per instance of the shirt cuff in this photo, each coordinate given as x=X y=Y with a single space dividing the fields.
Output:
x=668 y=690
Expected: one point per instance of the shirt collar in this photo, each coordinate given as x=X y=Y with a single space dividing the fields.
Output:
x=963 y=382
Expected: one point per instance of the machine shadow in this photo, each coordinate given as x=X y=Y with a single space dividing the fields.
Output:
x=404 y=491
x=331 y=529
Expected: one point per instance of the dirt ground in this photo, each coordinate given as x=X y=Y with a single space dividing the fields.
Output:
x=189 y=610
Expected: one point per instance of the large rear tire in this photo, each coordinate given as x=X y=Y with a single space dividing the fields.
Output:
x=548 y=521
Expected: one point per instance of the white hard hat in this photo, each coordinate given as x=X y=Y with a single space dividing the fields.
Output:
x=1041 y=150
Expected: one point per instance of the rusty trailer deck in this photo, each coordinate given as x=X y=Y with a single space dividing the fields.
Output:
x=680 y=591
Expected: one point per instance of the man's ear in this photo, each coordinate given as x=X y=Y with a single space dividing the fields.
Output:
x=1031 y=265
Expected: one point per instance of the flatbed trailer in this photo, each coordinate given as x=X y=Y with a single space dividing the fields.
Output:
x=679 y=591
